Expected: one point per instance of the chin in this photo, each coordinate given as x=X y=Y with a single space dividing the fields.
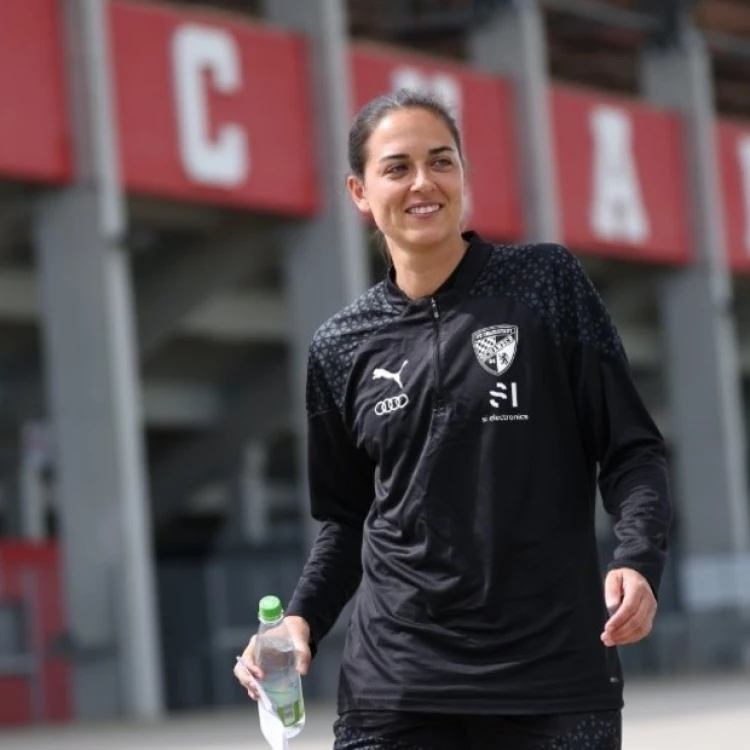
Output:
x=426 y=237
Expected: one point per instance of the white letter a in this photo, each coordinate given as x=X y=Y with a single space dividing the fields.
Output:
x=617 y=211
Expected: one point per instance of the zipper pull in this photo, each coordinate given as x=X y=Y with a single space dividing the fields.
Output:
x=435 y=313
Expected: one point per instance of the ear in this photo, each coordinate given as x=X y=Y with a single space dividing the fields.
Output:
x=356 y=189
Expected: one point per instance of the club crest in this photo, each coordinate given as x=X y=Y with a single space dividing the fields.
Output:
x=495 y=347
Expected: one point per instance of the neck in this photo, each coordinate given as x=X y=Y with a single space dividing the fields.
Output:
x=422 y=271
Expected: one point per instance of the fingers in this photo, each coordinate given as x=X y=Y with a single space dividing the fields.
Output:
x=633 y=628
x=248 y=659
x=634 y=617
x=613 y=590
x=247 y=671
x=243 y=677
x=300 y=630
x=304 y=657
x=625 y=612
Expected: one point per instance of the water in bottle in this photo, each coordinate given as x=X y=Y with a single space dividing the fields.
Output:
x=276 y=656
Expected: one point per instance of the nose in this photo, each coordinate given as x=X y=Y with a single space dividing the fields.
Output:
x=422 y=180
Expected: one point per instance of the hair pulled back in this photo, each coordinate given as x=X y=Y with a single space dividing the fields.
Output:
x=374 y=111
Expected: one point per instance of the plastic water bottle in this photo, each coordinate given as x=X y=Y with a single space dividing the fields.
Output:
x=276 y=656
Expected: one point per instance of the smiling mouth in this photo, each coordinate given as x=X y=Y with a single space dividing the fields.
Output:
x=424 y=210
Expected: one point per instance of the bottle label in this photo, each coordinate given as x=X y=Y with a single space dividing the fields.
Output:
x=287 y=703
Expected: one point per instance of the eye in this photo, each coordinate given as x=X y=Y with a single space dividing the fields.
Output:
x=396 y=169
x=443 y=161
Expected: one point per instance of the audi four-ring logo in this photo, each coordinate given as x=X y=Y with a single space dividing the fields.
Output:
x=387 y=405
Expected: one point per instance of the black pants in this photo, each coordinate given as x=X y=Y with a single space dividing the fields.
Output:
x=383 y=730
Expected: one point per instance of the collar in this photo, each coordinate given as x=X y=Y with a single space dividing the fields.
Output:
x=458 y=283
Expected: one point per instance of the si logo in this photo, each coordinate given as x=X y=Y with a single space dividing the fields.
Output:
x=495 y=347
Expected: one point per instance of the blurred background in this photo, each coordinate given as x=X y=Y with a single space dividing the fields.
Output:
x=174 y=227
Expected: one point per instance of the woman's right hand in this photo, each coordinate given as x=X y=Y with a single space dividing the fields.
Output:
x=300 y=632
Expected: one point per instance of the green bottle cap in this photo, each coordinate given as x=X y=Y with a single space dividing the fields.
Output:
x=270 y=609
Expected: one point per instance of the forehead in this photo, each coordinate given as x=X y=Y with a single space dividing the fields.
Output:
x=409 y=131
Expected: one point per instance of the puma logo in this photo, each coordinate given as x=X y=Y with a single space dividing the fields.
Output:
x=381 y=373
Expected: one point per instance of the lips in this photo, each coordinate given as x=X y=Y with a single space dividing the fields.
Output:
x=424 y=209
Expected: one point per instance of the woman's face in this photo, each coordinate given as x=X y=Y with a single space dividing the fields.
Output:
x=413 y=184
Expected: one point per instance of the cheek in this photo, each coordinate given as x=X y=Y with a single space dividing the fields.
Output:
x=384 y=200
x=457 y=188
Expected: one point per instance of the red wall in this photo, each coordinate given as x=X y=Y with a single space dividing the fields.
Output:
x=39 y=563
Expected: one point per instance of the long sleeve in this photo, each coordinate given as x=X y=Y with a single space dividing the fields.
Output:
x=341 y=489
x=617 y=430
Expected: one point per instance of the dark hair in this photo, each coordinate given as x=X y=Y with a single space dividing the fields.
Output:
x=374 y=111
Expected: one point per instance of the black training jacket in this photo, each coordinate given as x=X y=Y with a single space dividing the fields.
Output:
x=454 y=445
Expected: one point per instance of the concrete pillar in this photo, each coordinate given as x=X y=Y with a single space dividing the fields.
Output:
x=703 y=377
x=513 y=44
x=325 y=259
x=94 y=392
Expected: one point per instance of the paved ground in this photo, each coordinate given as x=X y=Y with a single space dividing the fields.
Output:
x=685 y=715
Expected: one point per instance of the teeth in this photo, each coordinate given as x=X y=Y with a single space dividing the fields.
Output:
x=424 y=209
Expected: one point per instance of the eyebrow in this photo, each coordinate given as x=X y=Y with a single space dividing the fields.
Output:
x=431 y=152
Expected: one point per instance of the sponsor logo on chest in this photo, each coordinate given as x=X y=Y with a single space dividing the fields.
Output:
x=392 y=403
x=495 y=349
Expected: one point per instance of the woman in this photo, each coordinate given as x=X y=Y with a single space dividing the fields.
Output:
x=458 y=413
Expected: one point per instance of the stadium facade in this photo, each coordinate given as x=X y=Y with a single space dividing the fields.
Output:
x=173 y=228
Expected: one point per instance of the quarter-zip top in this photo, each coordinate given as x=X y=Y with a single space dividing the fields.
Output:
x=467 y=533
